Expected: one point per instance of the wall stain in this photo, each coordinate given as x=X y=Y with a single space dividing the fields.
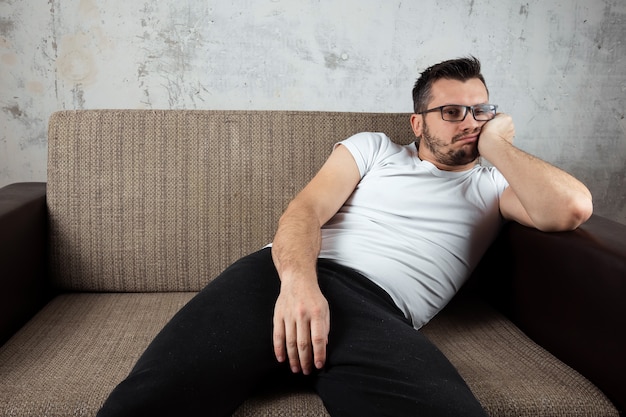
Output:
x=334 y=61
x=14 y=111
x=88 y=9
x=78 y=95
x=6 y=26
x=76 y=62
x=142 y=73
x=35 y=131
x=523 y=10
x=35 y=87
x=9 y=59
x=55 y=48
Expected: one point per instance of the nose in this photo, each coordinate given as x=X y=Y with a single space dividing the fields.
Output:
x=470 y=124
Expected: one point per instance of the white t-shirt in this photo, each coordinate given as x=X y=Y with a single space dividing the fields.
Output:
x=416 y=231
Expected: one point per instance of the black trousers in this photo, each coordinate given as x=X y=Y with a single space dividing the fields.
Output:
x=217 y=351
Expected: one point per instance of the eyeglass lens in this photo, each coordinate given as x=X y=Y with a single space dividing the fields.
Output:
x=457 y=113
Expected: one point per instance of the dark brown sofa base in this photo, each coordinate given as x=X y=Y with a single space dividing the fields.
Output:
x=23 y=231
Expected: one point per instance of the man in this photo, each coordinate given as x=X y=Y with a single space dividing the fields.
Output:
x=369 y=251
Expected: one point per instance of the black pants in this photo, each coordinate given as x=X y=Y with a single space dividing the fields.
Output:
x=217 y=351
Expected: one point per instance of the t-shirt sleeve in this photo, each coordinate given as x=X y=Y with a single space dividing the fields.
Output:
x=367 y=149
x=499 y=180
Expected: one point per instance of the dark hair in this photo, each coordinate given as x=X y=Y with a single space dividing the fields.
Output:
x=461 y=69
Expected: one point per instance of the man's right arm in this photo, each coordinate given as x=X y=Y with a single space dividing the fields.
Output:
x=301 y=315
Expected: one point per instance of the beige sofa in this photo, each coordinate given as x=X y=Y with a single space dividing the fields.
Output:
x=142 y=208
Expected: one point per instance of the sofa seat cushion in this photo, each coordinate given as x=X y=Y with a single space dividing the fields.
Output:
x=68 y=358
x=289 y=403
x=509 y=373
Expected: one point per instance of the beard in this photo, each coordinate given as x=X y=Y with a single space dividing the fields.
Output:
x=449 y=157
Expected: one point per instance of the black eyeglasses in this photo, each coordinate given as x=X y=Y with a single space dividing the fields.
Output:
x=457 y=112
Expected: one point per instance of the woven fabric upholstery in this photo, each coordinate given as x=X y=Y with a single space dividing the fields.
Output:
x=508 y=373
x=67 y=359
x=71 y=355
x=144 y=200
x=283 y=404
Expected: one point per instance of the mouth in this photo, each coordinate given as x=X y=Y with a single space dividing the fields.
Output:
x=467 y=139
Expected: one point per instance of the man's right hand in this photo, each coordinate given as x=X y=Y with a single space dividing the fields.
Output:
x=301 y=315
x=301 y=325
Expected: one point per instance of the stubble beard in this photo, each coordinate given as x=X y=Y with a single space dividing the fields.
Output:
x=451 y=157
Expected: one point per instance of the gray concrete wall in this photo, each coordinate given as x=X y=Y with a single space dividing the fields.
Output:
x=556 y=66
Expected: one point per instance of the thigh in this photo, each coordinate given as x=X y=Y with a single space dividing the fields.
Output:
x=214 y=351
x=379 y=365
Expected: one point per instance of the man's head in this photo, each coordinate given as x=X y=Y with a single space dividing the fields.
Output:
x=461 y=69
x=451 y=107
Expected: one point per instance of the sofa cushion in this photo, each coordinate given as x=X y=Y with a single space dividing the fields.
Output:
x=145 y=200
x=67 y=359
x=283 y=404
x=508 y=373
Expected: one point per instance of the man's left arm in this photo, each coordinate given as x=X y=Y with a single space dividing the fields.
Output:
x=539 y=195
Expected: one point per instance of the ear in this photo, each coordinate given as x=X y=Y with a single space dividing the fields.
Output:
x=417 y=123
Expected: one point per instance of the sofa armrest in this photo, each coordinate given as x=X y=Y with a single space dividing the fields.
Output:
x=567 y=291
x=23 y=223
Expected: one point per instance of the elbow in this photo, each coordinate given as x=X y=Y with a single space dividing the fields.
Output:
x=586 y=210
x=580 y=210
x=577 y=216
x=574 y=214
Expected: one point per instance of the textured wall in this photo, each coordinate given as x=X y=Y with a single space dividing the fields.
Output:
x=556 y=66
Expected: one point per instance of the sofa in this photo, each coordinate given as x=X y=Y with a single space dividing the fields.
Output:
x=142 y=208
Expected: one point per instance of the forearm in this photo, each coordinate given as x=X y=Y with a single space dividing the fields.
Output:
x=552 y=199
x=301 y=314
x=297 y=242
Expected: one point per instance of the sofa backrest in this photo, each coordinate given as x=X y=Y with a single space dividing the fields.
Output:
x=145 y=200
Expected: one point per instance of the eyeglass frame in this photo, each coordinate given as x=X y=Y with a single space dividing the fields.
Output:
x=470 y=108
